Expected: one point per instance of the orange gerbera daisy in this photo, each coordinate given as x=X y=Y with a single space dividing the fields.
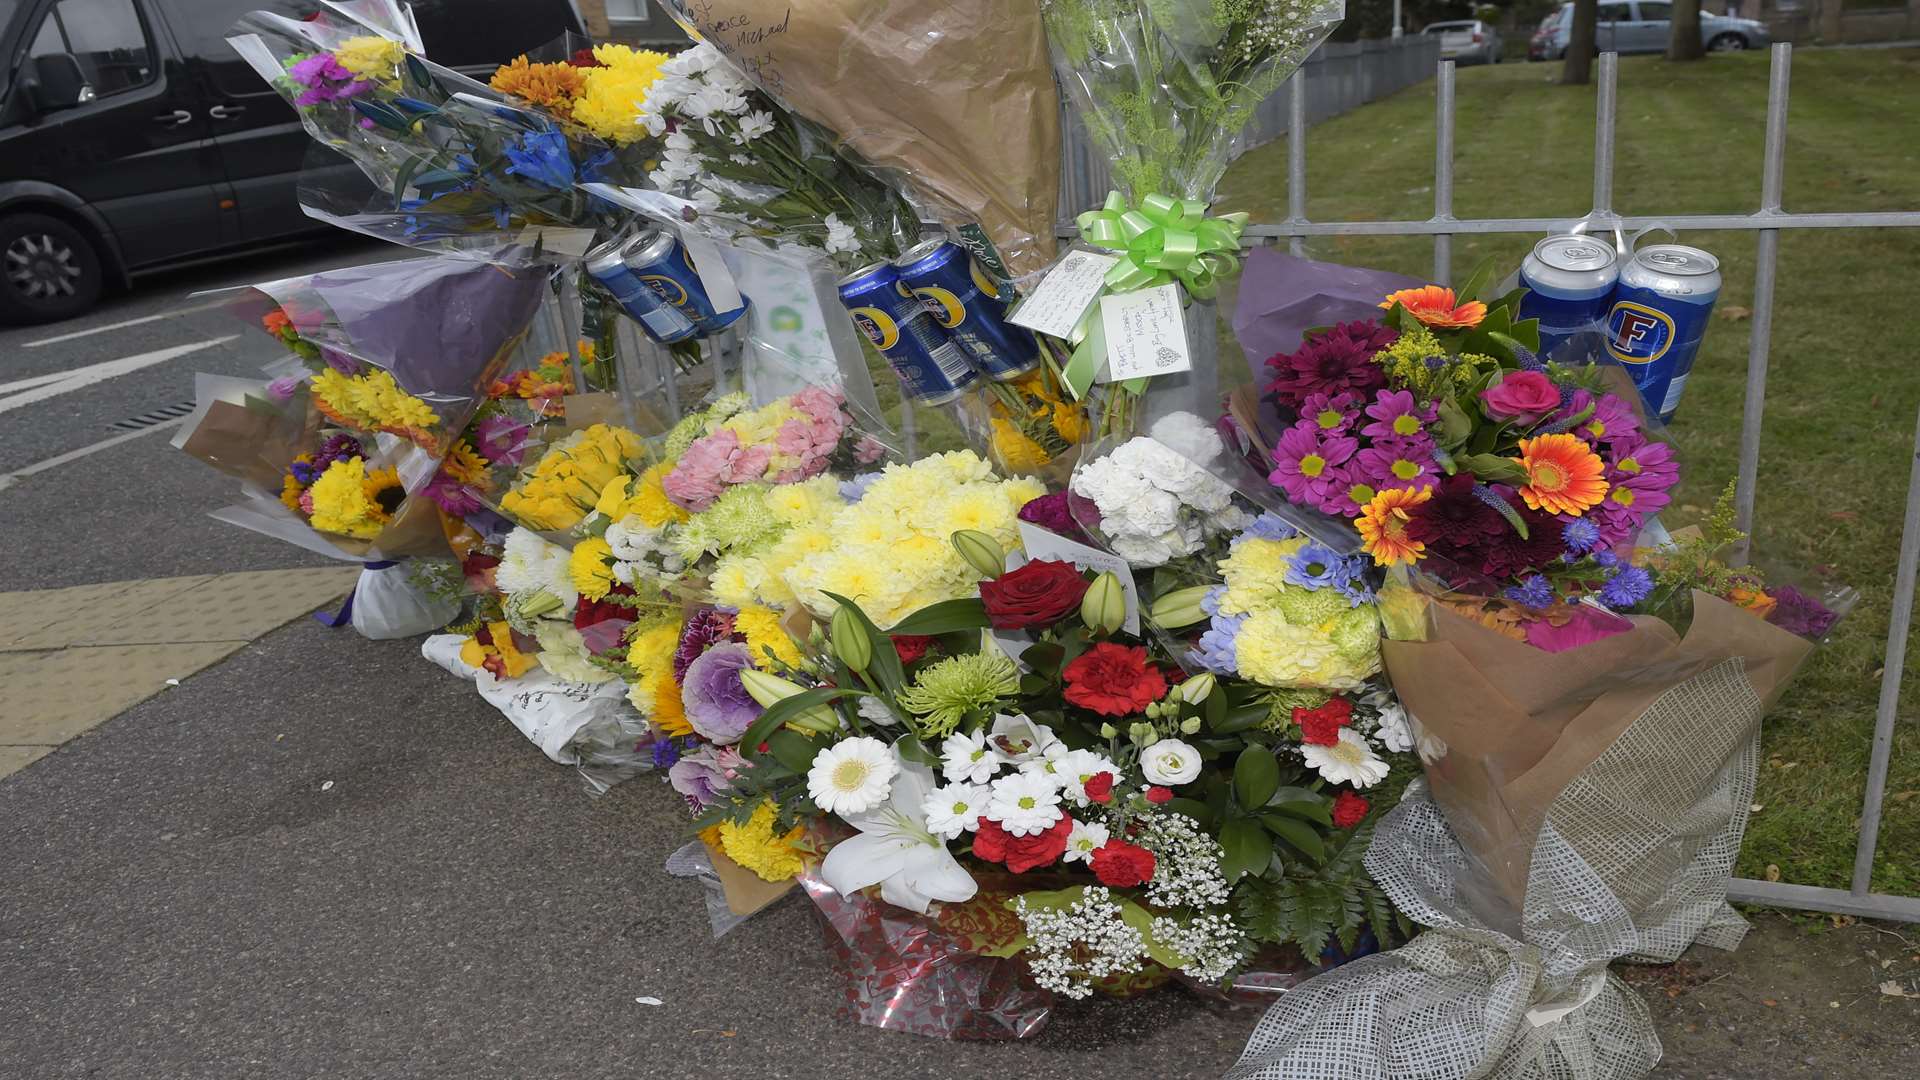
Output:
x=1563 y=474
x=1383 y=526
x=1434 y=305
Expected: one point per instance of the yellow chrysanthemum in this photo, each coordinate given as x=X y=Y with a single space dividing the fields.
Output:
x=648 y=499
x=612 y=95
x=736 y=580
x=342 y=505
x=762 y=629
x=551 y=86
x=1013 y=450
x=290 y=492
x=657 y=694
x=334 y=394
x=591 y=567
x=756 y=846
x=371 y=57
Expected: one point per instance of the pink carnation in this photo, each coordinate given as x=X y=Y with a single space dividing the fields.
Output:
x=711 y=465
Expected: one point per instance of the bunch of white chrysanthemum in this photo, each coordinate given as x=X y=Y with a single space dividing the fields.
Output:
x=1156 y=502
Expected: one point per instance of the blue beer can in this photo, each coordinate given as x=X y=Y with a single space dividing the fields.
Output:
x=1659 y=314
x=932 y=368
x=1569 y=280
x=662 y=322
x=967 y=305
x=660 y=260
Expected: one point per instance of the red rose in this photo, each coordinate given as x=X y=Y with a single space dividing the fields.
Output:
x=1157 y=794
x=1349 y=809
x=1042 y=592
x=1122 y=865
x=1113 y=680
x=478 y=570
x=911 y=647
x=1321 y=726
x=1525 y=396
x=1022 y=853
x=1099 y=787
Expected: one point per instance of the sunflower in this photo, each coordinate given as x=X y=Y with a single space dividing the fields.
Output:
x=383 y=489
x=1383 y=526
x=1564 y=475
x=1434 y=305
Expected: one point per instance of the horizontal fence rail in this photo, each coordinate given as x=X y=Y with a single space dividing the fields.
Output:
x=1767 y=221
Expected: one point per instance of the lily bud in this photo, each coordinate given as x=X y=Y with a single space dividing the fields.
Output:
x=770 y=690
x=1181 y=607
x=1197 y=689
x=1104 y=607
x=982 y=552
x=850 y=641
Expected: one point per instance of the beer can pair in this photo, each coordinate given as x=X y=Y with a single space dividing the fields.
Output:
x=653 y=280
x=939 y=320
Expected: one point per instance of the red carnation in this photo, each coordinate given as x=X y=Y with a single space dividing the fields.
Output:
x=911 y=647
x=1113 y=680
x=1099 y=787
x=1349 y=810
x=1122 y=865
x=1321 y=726
x=1157 y=794
x=1038 y=594
x=478 y=570
x=1023 y=853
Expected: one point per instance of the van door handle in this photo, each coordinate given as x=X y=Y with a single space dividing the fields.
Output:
x=221 y=112
x=176 y=118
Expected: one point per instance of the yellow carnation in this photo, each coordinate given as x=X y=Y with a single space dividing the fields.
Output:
x=341 y=504
x=370 y=57
x=762 y=629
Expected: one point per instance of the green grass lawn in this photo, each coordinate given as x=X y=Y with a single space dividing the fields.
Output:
x=1845 y=374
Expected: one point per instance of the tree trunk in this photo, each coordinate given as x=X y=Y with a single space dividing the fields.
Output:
x=1683 y=41
x=1578 y=68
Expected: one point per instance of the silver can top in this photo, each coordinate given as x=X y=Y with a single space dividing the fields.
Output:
x=648 y=248
x=920 y=251
x=605 y=257
x=1573 y=252
x=1676 y=260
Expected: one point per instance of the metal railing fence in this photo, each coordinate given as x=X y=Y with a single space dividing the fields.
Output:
x=1337 y=78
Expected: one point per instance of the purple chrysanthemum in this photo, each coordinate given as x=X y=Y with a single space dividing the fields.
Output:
x=1340 y=359
x=707 y=626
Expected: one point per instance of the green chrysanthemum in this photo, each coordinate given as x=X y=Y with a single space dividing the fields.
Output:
x=737 y=523
x=1281 y=703
x=943 y=694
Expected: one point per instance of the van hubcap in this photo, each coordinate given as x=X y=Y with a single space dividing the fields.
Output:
x=41 y=268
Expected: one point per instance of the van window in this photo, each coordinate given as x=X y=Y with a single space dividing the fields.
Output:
x=1615 y=13
x=1655 y=12
x=107 y=39
x=201 y=27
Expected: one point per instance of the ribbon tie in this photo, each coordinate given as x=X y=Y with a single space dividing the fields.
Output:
x=1162 y=240
x=344 y=616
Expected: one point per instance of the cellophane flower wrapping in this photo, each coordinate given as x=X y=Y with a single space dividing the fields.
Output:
x=955 y=98
x=1167 y=86
x=935 y=974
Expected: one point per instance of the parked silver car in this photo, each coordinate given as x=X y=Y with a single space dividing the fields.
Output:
x=1643 y=26
x=1466 y=41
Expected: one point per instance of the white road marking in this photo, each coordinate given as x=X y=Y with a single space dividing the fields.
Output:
x=7 y=480
x=125 y=323
x=41 y=387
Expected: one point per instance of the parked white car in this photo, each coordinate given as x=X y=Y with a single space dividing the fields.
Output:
x=1466 y=41
x=1643 y=26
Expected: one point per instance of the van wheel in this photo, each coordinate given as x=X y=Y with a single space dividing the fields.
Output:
x=1727 y=43
x=49 y=270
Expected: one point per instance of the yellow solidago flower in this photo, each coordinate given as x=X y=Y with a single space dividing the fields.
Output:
x=756 y=846
x=371 y=57
x=591 y=568
x=761 y=627
x=610 y=101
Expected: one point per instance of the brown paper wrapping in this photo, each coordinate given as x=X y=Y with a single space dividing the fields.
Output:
x=959 y=94
x=746 y=891
x=1520 y=724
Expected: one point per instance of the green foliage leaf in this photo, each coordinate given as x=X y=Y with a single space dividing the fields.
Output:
x=1045 y=658
x=1248 y=849
x=1299 y=835
x=1256 y=776
x=786 y=709
x=966 y=613
x=1493 y=468
x=792 y=749
x=1194 y=809
x=1477 y=282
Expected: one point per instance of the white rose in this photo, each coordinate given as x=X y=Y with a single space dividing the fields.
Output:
x=1170 y=762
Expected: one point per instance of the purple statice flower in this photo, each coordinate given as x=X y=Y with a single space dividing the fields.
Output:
x=1269 y=526
x=1580 y=536
x=702 y=775
x=1626 y=588
x=1798 y=613
x=1398 y=463
x=717 y=705
x=1216 y=650
x=856 y=489
x=1331 y=413
x=502 y=440
x=1535 y=592
x=707 y=626
x=1311 y=467
x=1316 y=566
x=1396 y=415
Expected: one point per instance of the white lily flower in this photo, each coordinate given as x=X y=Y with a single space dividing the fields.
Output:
x=896 y=849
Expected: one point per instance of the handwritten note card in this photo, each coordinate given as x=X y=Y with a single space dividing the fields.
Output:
x=1061 y=299
x=1146 y=333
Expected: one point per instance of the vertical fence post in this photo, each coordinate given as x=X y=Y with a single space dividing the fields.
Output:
x=1603 y=125
x=1443 y=172
x=1892 y=669
x=1297 y=157
x=1766 y=251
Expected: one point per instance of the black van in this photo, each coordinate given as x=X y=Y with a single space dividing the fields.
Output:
x=132 y=136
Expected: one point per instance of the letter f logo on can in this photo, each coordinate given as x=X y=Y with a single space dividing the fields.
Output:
x=1638 y=334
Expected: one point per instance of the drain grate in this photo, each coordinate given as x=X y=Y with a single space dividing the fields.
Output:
x=158 y=416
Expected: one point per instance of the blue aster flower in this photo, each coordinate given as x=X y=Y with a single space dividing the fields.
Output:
x=665 y=753
x=1357 y=591
x=1606 y=558
x=1535 y=592
x=1270 y=527
x=1627 y=588
x=1317 y=566
x=1216 y=651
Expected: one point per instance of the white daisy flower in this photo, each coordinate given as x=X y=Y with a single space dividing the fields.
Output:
x=1073 y=769
x=955 y=809
x=967 y=759
x=851 y=776
x=1170 y=762
x=753 y=125
x=1024 y=804
x=1085 y=839
x=1349 y=761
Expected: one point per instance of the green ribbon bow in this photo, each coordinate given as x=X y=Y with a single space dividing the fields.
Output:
x=1162 y=240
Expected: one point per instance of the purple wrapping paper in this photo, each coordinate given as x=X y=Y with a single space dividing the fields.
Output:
x=1282 y=297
